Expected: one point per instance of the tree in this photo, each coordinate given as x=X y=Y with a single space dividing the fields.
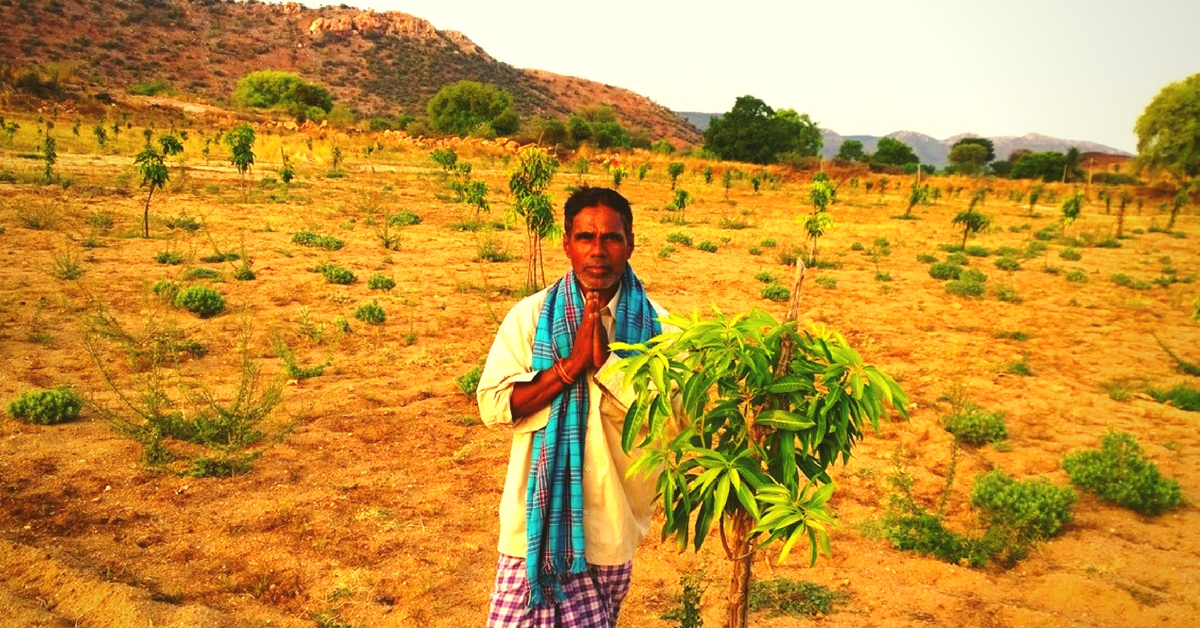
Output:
x=851 y=150
x=978 y=141
x=1071 y=209
x=1047 y=166
x=240 y=140
x=918 y=194
x=971 y=220
x=766 y=409
x=460 y=109
x=754 y=132
x=674 y=169
x=533 y=207
x=968 y=158
x=1168 y=135
x=1071 y=161
x=267 y=89
x=154 y=175
x=894 y=152
x=820 y=194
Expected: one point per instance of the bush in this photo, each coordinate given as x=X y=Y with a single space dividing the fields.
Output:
x=403 y=219
x=1008 y=263
x=957 y=257
x=201 y=273
x=1035 y=509
x=1129 y=282
x=767 y=243
x=1120 y=473
x=1071 y=254
x=218 y=257
x=370 y=313
x=308 y=238
x=165 y=289
x=945 y=271
x=754 y=250
x=336 y=274
x=1007 y=293
x=1181 y=396
x=1077 y=276
x=926 y=258
x=707 y=247
x=776 y=292
x=174 y=258
x=977 y=251
x=826 y=281
x=766 y=277
x=468 y=382
x=975 y=426
x=793 y=597
x=379 y=281
x=46 y=407
x=965 y=288
x=201 y=301
x=679 y=238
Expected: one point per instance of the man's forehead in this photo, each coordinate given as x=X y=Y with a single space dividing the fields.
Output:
x=607 y=220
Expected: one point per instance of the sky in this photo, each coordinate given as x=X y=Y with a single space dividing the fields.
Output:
x=1071 y=69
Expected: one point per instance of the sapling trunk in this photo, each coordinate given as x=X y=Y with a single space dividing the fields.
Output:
x=742 y=558
x=146 y=215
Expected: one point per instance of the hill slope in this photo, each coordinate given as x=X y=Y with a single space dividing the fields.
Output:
x=376 y=63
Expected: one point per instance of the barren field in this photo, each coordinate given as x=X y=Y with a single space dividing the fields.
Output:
x=376 y=504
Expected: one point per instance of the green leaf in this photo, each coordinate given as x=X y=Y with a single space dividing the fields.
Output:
x=634 y=420
x=783 y=420
x=787 y=547
x=721 y=494
x=746 y=497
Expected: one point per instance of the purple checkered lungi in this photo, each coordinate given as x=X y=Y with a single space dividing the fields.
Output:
x=593 y=598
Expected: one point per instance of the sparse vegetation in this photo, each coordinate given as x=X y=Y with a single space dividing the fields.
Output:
x=46 y=407
x=1119 y=472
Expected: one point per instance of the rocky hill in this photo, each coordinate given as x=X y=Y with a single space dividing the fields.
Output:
x=375 y=63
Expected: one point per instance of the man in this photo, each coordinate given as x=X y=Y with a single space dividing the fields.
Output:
x=569 y=518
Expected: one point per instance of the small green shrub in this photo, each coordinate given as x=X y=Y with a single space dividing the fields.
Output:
x=336 y=274
x=857 y=246
x=945 y=271
x=965 y=288
x=403 y=219
x=218 y=257
x=957 y=258
x=468 y=382
x=1071 y=254
x=767 y=243
x=1007 y=293
x=165 y=289
x=776 y=292
x=666 y=251
x=766 y=277
x=971 y=274
x=796 y=598
x=1035 y=249
x=46 y=407
x=1035 y=509
x=975 y=426
x=1119 y=472
x=244 y=273
x=182 y=221
x=827 y=281
x=1181 y=396
x=370 y=313
x=341 y=324
x=380 y=281
x=975 y=250
x=1124 y=280
x=1008 y=263
x=201 y=273
x=754 y=250
x=1019 y=367
x=1048 y=233
x=309 y=238
x=707 y=247
x=677 y=237
x=1077 y=276
x=174 y=258
x=926 y=258
x=201 y=301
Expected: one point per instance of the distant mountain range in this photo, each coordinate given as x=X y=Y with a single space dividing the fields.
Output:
x=937 y=152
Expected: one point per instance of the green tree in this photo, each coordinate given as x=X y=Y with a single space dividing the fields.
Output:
x=754 y=132
x=968 y=158
x=1167 y=131
x=268 y=89
x=1071 y=162
x=820 y=194
x=1047 y=166
x=851 y=150
x=48 y=151
x=971 y=220
x=240 y=140
x=150 y=165
x=766 y=409
x=674 y=169
x=460 y=109
x=532 y=206
x=978 y=141
x=1071 y=208
x=918 y=194
x=893 y=152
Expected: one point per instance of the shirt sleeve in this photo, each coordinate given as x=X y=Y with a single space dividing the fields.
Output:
x=509 y=362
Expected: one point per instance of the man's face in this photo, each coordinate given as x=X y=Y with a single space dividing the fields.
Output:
x=598 y=247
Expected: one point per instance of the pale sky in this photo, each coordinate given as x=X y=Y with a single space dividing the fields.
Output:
x=1072 y=69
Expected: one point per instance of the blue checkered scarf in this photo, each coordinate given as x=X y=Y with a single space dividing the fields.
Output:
x=554 y=501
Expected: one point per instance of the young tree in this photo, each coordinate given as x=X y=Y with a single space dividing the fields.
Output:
x=48 y=151
x=533 y=207
x=674 y=169
x=892 y=151
x=1071 y=209
x=100 y=134
x=919 y=194
x=1168 y=136
x=1177 y=203
x=766 y=409
x=1034 y=194
x=680 y=203
x=1124 y=201
x=971 y=220
x=727 y=180
x=240 y=140
x=154 y=175
x=821 y=195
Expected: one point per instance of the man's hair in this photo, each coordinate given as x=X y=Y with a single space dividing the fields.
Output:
x=586 y=197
